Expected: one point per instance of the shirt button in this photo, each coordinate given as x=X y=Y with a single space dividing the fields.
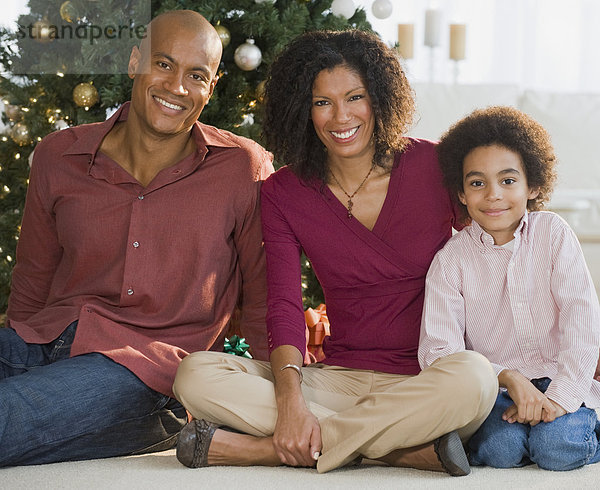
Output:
x=136 y=244
x=130 y=291
x=140 y=197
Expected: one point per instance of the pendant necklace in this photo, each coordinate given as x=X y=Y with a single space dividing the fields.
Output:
x=350 y=203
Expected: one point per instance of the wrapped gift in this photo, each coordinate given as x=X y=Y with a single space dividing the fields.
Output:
x=237 y=346
x=317 y=326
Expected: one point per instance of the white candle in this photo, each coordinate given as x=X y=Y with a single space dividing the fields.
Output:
x=433 y=24
x=458 y=37
x=406 y=40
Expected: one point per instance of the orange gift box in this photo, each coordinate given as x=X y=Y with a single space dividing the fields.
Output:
x=317 y=325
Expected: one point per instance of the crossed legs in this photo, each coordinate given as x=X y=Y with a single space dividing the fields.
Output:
x=361 y=413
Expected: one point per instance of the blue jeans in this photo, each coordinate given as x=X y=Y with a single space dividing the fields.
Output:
x=567 y=443
x=55 y=408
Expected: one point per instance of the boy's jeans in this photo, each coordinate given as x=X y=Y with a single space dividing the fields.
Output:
x=569 y=442
x=55 y=408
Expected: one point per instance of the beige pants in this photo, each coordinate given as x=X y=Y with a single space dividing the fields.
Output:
x=361 y=413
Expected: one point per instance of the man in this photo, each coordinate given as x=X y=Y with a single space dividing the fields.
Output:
x=140 y=235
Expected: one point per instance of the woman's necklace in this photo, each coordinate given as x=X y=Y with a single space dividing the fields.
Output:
x=350 y=203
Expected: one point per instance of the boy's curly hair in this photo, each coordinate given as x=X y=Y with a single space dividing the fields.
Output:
x=506 y=127
x=287 y=128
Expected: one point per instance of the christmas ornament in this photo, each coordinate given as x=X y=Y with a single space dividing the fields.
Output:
x=61 y=124
x=247 y=56
x=343 y=8
x=260 y=91
x=382 y=9
x=264 y=1
x=20 y=134
x=85 y=95
x=224 y=35
x=68 y=11
x=13 y=112
x=43 y=32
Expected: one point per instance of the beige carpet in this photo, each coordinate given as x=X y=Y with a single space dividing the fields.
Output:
x=163 y=471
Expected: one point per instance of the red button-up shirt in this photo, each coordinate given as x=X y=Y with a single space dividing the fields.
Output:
x=151 y=273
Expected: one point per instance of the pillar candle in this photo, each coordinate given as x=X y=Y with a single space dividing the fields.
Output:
x=458 y=35
x=405 y=40
x=433 y=24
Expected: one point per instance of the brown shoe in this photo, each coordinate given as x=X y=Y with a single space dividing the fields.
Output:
x=193 y=443
x=444 y=454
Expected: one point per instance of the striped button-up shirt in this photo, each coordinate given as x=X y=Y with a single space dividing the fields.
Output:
x=531 y=306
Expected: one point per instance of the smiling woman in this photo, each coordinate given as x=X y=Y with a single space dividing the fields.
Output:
x=367 y=206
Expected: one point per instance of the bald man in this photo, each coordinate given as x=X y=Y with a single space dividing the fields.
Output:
x=140 y=236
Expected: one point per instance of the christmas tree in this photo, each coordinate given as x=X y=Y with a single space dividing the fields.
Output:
x=65 y=63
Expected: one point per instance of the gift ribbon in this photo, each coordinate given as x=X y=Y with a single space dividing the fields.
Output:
x=237 y=346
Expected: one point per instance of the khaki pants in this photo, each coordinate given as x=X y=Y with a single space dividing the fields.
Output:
x=361 y=413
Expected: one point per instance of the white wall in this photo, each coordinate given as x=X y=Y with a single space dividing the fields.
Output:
x=550 y=45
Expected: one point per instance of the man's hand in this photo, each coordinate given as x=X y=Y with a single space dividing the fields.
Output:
x=297 y=436
x=531 y=405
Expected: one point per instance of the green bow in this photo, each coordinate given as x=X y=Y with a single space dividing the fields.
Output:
x=237 y=346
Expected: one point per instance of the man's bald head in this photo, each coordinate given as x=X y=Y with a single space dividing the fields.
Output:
x=184 y=22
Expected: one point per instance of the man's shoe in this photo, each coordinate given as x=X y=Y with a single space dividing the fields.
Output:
x=451 y=453
x=193 y=443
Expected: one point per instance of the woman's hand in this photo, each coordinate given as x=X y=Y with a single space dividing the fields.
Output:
x=531 y=405
x=297 y=436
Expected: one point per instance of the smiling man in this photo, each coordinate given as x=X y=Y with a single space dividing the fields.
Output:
x=140 y=236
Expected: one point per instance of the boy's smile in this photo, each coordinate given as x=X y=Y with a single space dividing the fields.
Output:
x=495 y=190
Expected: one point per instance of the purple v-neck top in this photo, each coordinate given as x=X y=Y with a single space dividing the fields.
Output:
x=373 y=281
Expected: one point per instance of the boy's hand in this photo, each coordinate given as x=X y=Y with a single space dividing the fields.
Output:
x=531 y=405
x=559 y=412
x=512 y=412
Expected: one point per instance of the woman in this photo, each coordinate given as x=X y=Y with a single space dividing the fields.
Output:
x=368 y=208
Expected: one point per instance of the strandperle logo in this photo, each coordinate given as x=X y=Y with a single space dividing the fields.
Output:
x=80 y=41
x=89 y=32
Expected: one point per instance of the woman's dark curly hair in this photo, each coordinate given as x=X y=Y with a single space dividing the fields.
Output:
x=506 y=127
x=287 y=128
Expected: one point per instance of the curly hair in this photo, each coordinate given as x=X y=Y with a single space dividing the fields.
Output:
x=287 y=128
x=506 y=127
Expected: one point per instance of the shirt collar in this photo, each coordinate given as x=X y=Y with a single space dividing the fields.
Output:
x=90 y=136
x=483 y=238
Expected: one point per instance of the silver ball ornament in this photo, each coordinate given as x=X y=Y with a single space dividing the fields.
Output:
x=343 y=8
x=247 y=56
x=382 y=9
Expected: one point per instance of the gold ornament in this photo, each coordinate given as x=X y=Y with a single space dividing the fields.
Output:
x=13 y=112
x=20 y=134
x=85 y=95
x=260 y=91
x=68 y=11
x=224 y=35
x=43 y=32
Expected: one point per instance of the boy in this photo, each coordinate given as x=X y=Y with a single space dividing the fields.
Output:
x=514 y=286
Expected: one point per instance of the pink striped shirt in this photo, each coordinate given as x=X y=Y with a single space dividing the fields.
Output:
x=533 y=308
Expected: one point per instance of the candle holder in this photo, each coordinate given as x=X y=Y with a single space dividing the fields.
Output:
x=455 y=71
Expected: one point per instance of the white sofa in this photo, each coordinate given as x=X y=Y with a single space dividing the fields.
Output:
x=573 y=121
